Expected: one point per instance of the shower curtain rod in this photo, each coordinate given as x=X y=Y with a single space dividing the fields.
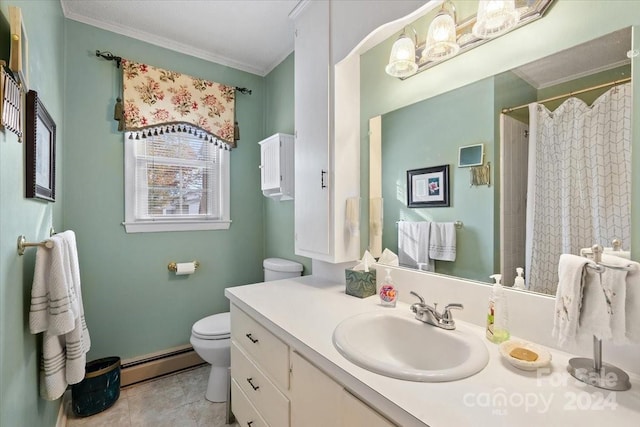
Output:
x=553 y=98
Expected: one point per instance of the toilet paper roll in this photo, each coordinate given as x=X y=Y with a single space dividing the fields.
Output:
x=183 y=268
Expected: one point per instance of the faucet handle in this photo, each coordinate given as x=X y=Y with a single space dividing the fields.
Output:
x=416 y=305
x=446 y=314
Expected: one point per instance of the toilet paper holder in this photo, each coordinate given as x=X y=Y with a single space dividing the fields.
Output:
x=173 y=266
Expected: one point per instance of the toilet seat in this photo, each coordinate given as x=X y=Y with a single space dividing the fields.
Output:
x=215 y=327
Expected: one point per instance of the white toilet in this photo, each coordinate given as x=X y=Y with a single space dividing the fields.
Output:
x=211 y=336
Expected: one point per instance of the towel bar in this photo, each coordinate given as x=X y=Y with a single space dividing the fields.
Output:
x=23 y=244
x=457 y=224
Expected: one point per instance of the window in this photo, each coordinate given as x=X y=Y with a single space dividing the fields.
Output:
x=175 y=182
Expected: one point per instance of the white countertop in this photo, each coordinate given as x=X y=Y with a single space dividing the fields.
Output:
x=304 y=312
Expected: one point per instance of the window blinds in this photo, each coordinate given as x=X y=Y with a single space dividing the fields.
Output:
x=177 y=176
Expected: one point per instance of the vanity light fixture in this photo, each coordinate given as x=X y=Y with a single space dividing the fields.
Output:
x=494 y=18
x=441 y=38
x=402 y=61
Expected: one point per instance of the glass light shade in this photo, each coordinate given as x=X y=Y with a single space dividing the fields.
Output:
x=441 y=39
x=495 y=17
x=402 y=61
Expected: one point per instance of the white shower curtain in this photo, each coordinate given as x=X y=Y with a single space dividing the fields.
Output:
x=579 y=184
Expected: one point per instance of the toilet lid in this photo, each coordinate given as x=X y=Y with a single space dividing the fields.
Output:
x=213 y=327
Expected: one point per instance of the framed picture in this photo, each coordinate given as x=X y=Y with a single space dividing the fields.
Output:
x=19 y=47
x=428 y=187
x=40 y=137
x=471 y=155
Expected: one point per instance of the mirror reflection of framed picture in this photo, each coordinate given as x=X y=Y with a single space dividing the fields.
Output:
x=428 y=187
x=40 y=137
x=471 y=155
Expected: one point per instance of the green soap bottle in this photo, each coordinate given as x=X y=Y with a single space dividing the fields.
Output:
x=497 y=316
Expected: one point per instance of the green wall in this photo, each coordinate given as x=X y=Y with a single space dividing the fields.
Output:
x=133 y=305
x=279 y=118
x=428 y=134
x=20 y=403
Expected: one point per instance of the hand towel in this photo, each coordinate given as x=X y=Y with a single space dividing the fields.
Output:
x=442 y=241
x=572 y=273
x=413 y=244
x=594 y=313
x=352 y=216
x=52 y=295
x=632 y=303
x=614 y=286
x=375 y=216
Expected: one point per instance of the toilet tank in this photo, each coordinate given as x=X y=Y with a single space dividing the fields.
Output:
x=278 y=268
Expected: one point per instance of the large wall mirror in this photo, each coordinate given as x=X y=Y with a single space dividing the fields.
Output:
x=493 y=237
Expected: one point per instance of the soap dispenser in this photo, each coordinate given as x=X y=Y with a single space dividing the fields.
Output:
x=497 y=316
x=518 y=283
x=388 y=291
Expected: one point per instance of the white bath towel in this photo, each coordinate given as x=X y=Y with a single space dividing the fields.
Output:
x=66 y=338
x=573 y=279
x=442 y=241
x=413 y=244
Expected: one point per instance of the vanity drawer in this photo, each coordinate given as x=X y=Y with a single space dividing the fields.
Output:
x=271 y=354
x=261 y=392
x=246 y=415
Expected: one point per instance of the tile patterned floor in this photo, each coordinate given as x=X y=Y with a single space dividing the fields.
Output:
x=176 y=400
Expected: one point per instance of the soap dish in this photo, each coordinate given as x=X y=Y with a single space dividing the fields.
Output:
x=544 y=357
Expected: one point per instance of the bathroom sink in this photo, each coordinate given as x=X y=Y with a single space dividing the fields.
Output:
x=398 y=346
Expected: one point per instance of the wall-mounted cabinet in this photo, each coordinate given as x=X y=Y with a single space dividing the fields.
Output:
x=276 y=166
x=322 y=184
x=327 y=119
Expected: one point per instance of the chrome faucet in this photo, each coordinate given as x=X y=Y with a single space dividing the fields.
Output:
x=427 y=314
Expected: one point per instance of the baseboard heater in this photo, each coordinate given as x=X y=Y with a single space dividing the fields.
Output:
x=158 y=364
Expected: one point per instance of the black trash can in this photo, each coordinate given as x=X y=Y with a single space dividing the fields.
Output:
x=99 y=389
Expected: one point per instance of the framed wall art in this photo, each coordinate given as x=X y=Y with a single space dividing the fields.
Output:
x=40 y=138
x=428 y=187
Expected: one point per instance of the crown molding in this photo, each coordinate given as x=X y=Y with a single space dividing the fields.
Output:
x=165 y=43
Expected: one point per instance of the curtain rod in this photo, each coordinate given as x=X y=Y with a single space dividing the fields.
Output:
x=553 y=98
x=118 y=60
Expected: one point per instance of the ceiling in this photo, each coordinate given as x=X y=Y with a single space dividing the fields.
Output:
x=249 y=35
x=600 y=54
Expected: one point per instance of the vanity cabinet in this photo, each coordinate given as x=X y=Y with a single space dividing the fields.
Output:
x=276 y=166
x=259 y=373
x=272 y=384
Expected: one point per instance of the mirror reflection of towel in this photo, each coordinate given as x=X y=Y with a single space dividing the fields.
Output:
x=442 y=241
x=413 y=245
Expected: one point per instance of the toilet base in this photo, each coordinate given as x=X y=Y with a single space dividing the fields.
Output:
x=218 y=384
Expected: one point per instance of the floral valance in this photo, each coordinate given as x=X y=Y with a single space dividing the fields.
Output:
x=157 y=100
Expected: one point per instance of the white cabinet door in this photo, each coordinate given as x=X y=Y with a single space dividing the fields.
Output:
x=315 y=398
x=270 y=163
x=355 y=413
x=312 y=112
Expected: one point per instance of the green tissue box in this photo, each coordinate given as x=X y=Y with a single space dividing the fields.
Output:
x=361 y=284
